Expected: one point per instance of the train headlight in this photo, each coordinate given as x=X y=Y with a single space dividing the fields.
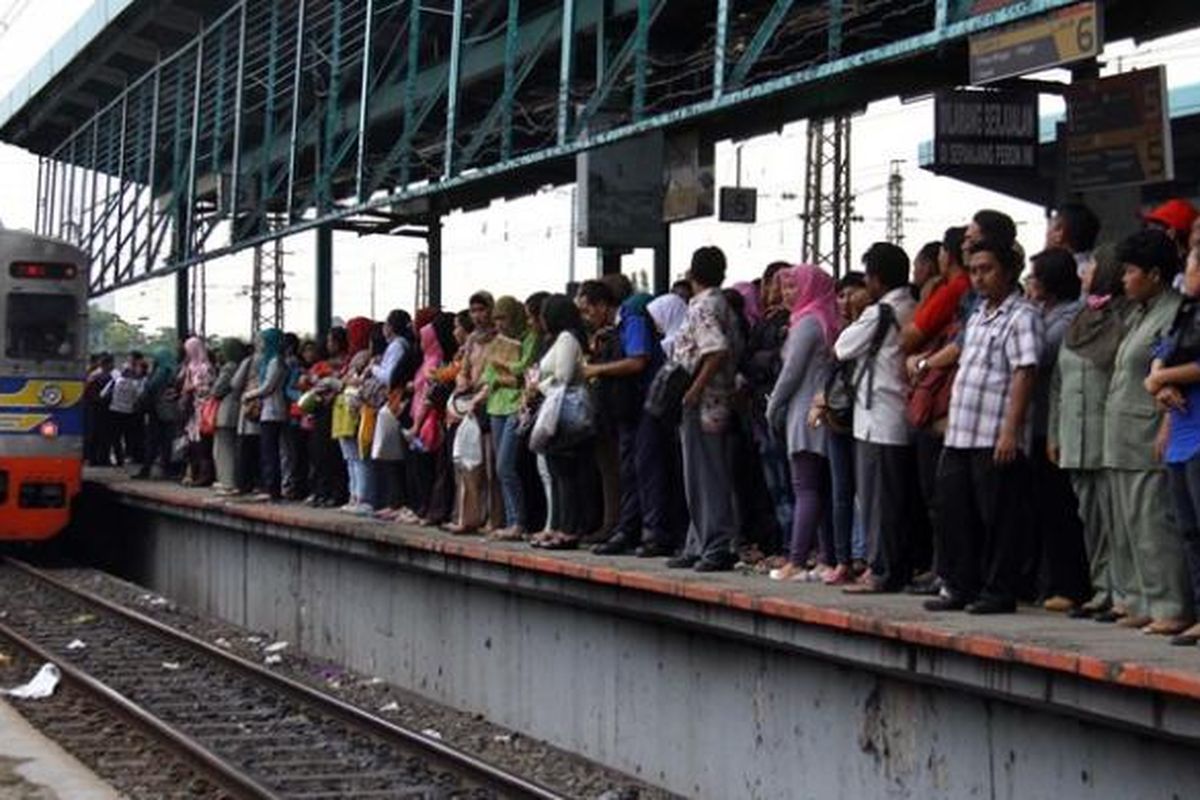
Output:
x=52 y=394
x=49 y=429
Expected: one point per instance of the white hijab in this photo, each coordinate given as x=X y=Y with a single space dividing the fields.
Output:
x=668 y=313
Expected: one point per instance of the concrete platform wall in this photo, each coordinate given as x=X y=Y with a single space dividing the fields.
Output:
x=685 y=702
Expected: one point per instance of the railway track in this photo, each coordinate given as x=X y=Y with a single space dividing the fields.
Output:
x=256 y=733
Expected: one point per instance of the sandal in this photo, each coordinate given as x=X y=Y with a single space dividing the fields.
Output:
x=562 y=542
x=514 y=534
x=458 y=530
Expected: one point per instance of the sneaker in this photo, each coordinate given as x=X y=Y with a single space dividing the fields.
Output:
x=683 y=562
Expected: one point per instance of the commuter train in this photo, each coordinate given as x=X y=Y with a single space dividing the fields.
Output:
x=43 y=364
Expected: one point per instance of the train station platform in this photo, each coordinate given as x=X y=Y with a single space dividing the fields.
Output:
x=33 y=767
x=726 y=685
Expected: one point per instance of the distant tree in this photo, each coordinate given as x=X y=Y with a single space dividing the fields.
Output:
x=108 y=332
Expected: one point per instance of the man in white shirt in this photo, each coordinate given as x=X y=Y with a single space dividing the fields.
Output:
x=885 y=458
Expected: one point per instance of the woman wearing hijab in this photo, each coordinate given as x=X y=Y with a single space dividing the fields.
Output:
x=811 y=294
x=160 y=400
x=425 y=435
x=503 y=382
x=230 y=394
x=668 y=312
x=321 y=383
x=197 y=387
x=344 y=425
x=272 y=410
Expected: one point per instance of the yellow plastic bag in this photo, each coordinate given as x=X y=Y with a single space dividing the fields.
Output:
x=345 y=417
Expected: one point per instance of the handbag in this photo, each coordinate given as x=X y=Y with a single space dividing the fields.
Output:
x=366 y=431
x=664 y=398
x=388 y=441
x=577 y=419
x=208 y=416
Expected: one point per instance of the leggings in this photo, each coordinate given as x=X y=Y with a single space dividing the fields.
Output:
x=807 y=471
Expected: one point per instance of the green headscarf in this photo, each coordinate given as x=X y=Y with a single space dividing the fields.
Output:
x=164 y=367
x=272 y=345
x=232 y=350
x=513 y=310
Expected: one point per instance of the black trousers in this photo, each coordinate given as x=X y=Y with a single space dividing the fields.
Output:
x=327 y=473
x=577 y=484
x=270 y=466
x=925 y=535
x=249 y=462
x=985 y=510
x=890 y=496
x=1055 y=559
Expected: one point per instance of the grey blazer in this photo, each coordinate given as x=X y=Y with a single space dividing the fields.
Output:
x=230 y=395
x=805 y=357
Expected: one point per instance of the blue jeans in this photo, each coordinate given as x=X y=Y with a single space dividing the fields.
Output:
x=508 y=454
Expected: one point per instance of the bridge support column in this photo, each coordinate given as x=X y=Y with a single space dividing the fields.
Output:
x=324 y=320
x=610 y=260
x=183 y=322
x=662 y=263
x=433 y=242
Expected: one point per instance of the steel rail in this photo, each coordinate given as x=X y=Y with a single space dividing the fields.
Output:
x=225 y=773
x=478 y=770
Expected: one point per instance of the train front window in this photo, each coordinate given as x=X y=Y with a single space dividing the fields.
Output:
x=41 y=327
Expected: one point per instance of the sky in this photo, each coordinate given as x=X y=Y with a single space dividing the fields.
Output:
x=522 y=246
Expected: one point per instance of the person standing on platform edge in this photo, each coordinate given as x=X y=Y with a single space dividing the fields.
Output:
x=1078 y=396
x=1174 y=381
x=884 y=455
x=983 y=479
x=1147 y=557
x=707 y=348
x=272 y=411
x=811 y=294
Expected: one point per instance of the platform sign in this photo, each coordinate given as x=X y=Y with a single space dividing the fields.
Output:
x=738 y=204
x=1118 y=131
x=1060 y=37
x=985 y=130
x=689 y=177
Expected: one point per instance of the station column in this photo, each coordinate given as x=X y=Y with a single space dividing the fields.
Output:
x=324 y=280
x=433 y=242
x=183 y=323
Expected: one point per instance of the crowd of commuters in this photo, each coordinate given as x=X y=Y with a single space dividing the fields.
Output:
x=974 y=425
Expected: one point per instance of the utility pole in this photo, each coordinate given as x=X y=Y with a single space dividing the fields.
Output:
x=373 y=268
x=422 y=298
x=828 y=199
x=268 y=288
x=895 y=204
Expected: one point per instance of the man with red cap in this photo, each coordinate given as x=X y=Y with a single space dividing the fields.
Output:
x=1175 y=218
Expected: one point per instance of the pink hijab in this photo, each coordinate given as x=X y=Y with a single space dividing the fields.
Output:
x=753 y=300
x=198 y=369
x=814 y=293
x=431 y=359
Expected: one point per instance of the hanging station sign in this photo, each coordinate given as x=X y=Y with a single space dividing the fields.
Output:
x=1061 y=37
x=1118 y=131
x=985 y=130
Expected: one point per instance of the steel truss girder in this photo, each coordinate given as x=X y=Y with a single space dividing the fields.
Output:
x=206 y=167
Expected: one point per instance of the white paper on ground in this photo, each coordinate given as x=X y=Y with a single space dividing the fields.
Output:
x=275 y=648
x=42 y=686
x=76 y=644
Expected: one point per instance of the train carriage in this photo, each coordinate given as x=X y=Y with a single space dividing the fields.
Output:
x=43 y=363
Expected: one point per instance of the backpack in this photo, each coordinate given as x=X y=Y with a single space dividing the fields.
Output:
x=845 y=380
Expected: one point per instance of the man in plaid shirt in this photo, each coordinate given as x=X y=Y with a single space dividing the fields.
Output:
x=983 y=480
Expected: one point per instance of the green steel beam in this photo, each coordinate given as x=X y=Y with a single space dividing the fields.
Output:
x=512 y=35
x=567 y=43
x=297 y=85
x=720 y=46
x=452 y=89
x=363 y=101
x=58 y=186
x=410 y=99
x=834 y=30
x=239 y=96
x=151 y=174
x=274 y=47
x=641 y=48
x=616 y=69
x=762 y=37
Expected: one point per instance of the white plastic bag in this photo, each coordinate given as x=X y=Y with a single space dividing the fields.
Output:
x=546 y=424
x=388 y=443
x=468 y=444
x=42 y=686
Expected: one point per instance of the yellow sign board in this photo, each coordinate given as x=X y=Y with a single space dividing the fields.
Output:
x=1060 y=37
